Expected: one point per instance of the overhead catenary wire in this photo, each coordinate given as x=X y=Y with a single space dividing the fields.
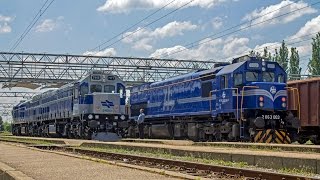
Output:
x=127 y=29
x=235 y=31
x=152 y=22
x=45 y=6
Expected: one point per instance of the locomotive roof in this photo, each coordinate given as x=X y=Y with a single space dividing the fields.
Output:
x=187 y=76
x=230 y=68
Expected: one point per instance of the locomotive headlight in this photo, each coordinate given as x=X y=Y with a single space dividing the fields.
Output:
x=261 y=98
x=90 y=116
x=261 y=104
x=283 y=99
x=96 y=116
x=122 y=117
x=284 y=105
x=116 y=117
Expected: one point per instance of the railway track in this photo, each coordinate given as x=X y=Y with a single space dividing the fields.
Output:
x=190 y=168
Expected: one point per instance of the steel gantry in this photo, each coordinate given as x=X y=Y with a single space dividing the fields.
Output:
x=62 y=68
x=17 y=94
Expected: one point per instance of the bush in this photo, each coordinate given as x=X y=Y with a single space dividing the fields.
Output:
x=7 y=126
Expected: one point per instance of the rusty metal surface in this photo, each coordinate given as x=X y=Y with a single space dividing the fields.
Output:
x=309 y=97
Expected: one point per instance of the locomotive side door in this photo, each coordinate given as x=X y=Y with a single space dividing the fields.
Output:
x=75 y=99
x=224 y=95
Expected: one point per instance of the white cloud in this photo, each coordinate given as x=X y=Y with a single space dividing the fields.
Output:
x=48 y=25
x=4 y=24
x=306 y=32
x=217 y=22
x=120 y=6
x=5 y=18
x=5 y=28
x=106 y=52
x=216 y=49
x=311 y=27
x=274 y=10
x=270 y=46
x=143 y=38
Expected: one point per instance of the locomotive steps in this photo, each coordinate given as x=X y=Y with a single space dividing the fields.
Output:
x=282 y=158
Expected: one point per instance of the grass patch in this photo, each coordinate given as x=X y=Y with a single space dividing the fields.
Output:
x=161 y=154
x=263 y=147
x=5 y=133
x=26 y=141
x=305 y=172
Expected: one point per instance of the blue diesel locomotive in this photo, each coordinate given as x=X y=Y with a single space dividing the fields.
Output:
x=245 y=100
x=92 y=105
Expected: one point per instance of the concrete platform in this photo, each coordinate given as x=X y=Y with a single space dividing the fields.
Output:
x=44 y=165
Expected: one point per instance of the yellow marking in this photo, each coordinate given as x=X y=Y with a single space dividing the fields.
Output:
x=262 y=138
x=279 y=135
x=269 y=139
x=257 y=136
x=278 y=141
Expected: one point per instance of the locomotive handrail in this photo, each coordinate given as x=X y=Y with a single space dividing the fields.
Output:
x=241 y=113
x=298 y=99
x=210 y=95
x=242 y=95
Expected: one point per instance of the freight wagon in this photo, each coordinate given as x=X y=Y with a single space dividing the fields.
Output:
x=307 y=104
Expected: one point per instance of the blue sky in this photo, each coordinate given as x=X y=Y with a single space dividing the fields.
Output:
x=76 y=27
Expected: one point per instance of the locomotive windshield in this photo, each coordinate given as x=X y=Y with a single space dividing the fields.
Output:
x=109 y=88
x=268 y=77
x=251 y=76
x=95 y=88
x=238 y=79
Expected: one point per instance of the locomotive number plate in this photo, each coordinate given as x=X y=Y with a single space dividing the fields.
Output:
x=271 y=117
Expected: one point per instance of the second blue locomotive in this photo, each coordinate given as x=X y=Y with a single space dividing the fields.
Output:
x=245 y=100
x=92 y=105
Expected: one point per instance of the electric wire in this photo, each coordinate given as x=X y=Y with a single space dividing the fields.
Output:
x=127 y=29
x=31 y=25
x=152 y=22
x=238 y=30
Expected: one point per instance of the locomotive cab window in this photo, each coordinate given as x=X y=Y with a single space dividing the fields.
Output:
x=251 y=76
x=268 y=77
x=206 y=88
x=84 y=90
x=95 y=88
x=237 y=78
x=120 y=91
x=281 y=78
x=109 y=88
x=224 y=82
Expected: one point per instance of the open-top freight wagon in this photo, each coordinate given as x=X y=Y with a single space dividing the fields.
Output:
x=307 y=104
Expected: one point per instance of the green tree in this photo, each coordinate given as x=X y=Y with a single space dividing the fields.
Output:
x=267 y=54
x=7 y=126
x=294 y=61
x=283 y=56
x=314 y=64
x=1 y=124
x=276 y=56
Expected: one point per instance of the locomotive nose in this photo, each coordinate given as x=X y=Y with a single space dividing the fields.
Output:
x=272 y=96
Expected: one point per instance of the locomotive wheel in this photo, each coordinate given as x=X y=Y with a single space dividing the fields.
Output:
x=87 y=133
x=272 y=136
